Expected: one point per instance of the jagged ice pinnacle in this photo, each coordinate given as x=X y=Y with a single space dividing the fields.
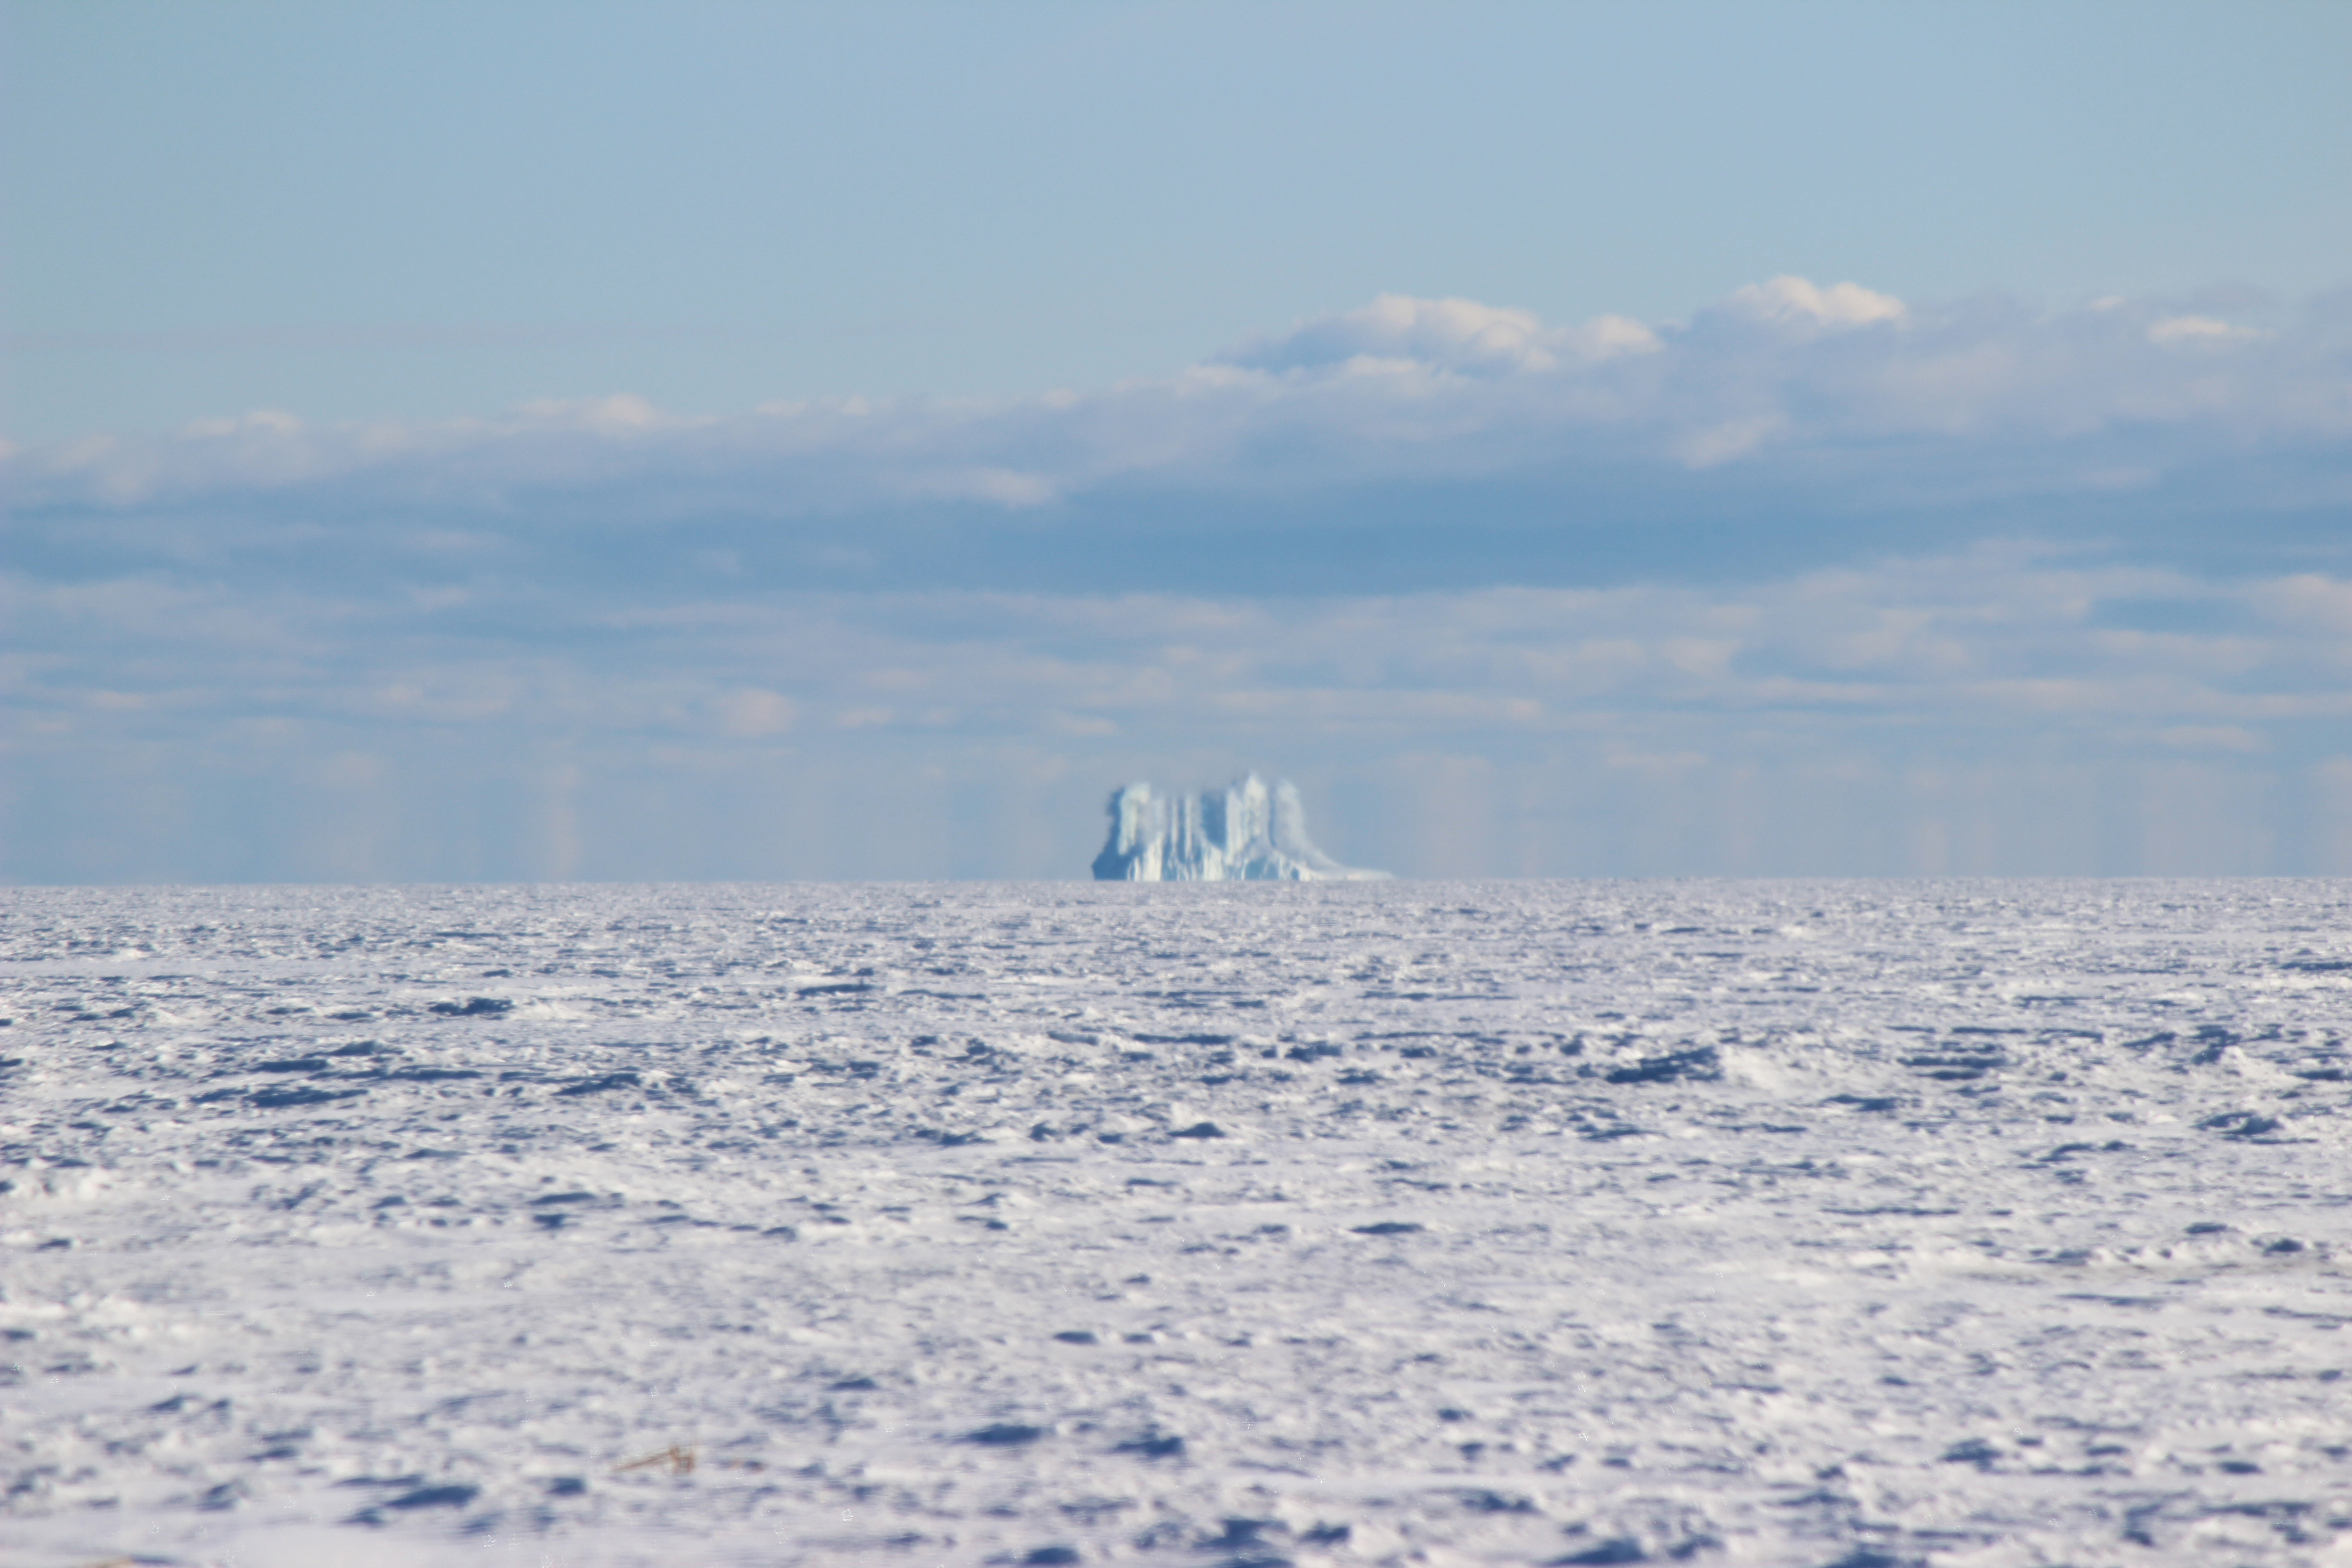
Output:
x=1242 y=833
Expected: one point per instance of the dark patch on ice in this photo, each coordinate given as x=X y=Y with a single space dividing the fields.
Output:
x=2068 y=1151
x=1238 y=1532
x=1005 y=1435
x=281 y=1099
x=954 y=1140
x=1094 y=1510
x=601 y=1082
x=1701 y=1064
x=474 y=1008
x=1387 y=1227
x=2244 y=1124
x=1958 y=1067
x=2213 y=1039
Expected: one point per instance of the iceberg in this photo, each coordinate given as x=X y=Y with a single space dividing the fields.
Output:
x=1242 y=833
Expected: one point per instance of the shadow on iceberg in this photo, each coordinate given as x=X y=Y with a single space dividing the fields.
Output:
x=1242 y=833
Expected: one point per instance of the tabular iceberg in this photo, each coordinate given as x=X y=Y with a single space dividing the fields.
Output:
x=1242 y=833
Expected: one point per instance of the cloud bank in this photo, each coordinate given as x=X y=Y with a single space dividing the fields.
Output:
x=1847 y=393
x=1816 y=580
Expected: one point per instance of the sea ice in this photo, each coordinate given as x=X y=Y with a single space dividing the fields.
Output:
x=1966 y=1224
x=1242 y=833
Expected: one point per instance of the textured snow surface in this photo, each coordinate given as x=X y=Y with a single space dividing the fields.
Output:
x=1242 y=833
x=1788 y=1224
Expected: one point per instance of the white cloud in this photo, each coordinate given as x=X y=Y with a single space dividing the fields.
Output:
x=1456 y=335
x=276 y=421
x=614 y=415
x=1606 y=337
x=2197 y=330
x=750 y=712
x=1731 y=439
x=1788 y=299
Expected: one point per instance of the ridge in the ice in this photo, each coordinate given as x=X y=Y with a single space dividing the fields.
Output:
x=1242 y=833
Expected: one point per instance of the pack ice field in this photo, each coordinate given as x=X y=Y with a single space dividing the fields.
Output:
x=1786 y=1224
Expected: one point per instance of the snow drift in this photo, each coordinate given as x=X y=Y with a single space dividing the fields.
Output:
x=1242 y=833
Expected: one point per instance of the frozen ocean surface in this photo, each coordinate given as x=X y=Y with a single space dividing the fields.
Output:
x=1873 y=1224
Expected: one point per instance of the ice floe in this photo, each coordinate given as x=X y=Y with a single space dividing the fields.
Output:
x=1242 y=833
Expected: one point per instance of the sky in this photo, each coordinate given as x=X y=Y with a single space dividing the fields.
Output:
x=512 y=442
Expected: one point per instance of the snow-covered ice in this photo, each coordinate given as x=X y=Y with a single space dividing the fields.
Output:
x=1962 y=1223
x=1242 y=833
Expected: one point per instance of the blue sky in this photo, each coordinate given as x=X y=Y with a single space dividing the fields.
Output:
x=518 y=441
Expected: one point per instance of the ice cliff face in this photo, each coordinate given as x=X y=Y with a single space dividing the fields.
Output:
x=1243 y=833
